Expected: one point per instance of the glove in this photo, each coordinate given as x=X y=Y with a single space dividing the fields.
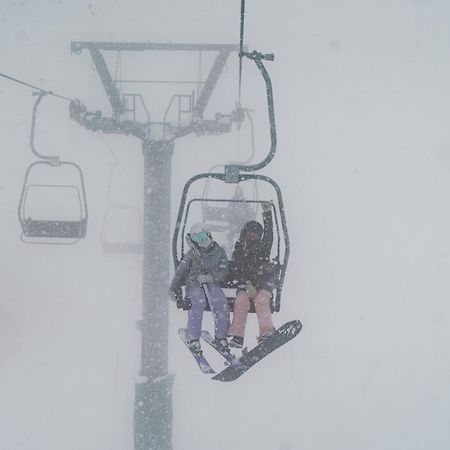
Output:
x=267 y=206
x=251 y=290
x=184 y=303
x=205 y=278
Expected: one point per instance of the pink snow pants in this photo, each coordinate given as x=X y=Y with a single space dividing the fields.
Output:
x=263 y=313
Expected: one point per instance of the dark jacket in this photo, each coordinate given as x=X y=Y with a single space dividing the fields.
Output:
x=252 y=263
x=212 y=260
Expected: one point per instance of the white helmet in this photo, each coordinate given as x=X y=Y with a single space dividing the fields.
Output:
x=200 y=235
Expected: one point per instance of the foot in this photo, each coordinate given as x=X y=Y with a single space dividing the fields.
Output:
x=222 y=345
x=195 y=348
x=236 y=341
x=263 y=337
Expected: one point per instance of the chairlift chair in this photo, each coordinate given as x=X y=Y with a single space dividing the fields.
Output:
x=122 y=226
x=121 y=231
x=55 y=227
x=280 y=252
x=233 y=175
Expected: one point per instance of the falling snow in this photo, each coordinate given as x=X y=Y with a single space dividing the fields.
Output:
x=90 y=353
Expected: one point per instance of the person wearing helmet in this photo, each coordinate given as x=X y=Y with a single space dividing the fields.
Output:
x=252 y=270
x=202 y=269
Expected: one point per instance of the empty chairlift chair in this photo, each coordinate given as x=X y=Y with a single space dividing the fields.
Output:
x=53 y=206
x=122 y=226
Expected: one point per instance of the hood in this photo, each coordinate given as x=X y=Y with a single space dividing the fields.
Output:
x=254 y=227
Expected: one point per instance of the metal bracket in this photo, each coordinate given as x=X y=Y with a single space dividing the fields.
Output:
x=232 y=173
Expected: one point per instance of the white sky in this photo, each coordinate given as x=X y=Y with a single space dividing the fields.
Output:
x=362 y=104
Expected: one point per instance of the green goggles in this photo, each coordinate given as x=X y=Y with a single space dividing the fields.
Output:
x=200 y=237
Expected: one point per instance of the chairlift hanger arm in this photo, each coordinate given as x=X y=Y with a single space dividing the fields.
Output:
x=234 y=169
x=52 y=159
x=258 y=58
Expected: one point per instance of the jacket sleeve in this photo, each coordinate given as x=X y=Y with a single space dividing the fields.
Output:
x=267 y=239
x=220 y=273
x=234 y=263
x=179 y=277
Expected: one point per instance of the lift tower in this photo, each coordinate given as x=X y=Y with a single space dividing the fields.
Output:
x=153 y=397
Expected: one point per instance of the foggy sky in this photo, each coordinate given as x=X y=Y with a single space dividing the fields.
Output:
x=362 y=107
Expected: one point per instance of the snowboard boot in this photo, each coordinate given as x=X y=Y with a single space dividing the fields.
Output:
x=222 y=345
x=236 y=341
x=263 y=337
x=195 y=348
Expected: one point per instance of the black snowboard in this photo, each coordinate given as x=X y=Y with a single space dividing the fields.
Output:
x=284 y=334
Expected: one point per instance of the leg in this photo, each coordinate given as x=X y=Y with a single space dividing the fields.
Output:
x=195 y=314
x=220 y=310
x=240 y=313
x=263 y=312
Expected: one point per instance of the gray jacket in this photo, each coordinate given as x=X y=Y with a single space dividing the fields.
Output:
x=212 y=260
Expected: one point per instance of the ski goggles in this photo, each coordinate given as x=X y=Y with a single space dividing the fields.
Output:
x=199 y=237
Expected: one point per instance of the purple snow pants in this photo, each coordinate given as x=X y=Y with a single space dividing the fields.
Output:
x=219 y=308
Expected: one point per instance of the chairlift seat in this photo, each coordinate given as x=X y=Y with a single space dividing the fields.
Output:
x=233 y=286
x=60 y=229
